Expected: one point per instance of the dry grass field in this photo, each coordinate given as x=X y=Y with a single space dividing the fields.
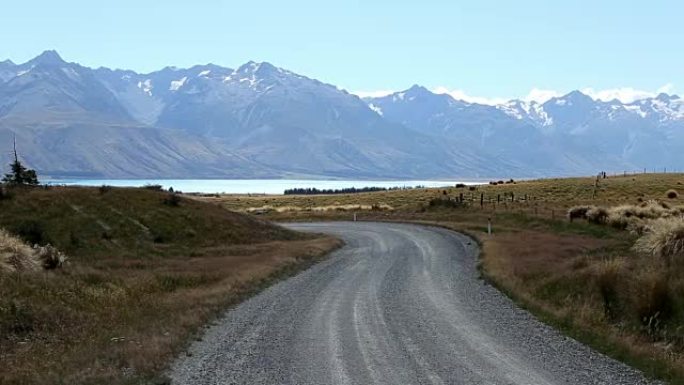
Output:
x=584 y=276
x=144 y=273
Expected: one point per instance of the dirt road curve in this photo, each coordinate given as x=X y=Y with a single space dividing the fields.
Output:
x=399 y=304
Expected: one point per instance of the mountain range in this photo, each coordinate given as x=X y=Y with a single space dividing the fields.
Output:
x=261 y=121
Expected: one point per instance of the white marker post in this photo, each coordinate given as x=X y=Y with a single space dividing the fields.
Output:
x=354 y=217
x=489 y=226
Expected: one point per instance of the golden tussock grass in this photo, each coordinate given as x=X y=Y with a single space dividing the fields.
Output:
x=663 y=238
x=15 y=255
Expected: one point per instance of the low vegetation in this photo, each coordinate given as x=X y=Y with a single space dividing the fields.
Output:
x=146 y=269
x=319 y=209
x=18 y=257
x=601 y=261
x=663 y=238
x=15 y=255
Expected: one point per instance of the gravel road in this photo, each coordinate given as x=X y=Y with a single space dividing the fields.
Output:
x=399 y=304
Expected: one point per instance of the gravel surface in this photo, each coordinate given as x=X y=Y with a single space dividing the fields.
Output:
x=399 y=304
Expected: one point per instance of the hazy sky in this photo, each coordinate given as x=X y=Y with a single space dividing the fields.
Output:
x=489 y=49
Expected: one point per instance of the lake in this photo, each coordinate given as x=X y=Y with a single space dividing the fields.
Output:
x=253 y=186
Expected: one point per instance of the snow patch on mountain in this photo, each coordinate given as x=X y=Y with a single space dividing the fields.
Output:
x=636 y=109
x=24 y=72
x=375 y=108
x=177 y=84
x=146 y=86
x=522 y=110
x=71 y=73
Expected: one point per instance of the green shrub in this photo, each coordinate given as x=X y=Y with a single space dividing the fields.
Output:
x=172 y=200
x=5 y=193
x=32 y=232
x=578 y=212
x=445 y=202
x=104 y=189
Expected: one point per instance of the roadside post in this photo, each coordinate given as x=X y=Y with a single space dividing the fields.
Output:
x=489 y=226
x=354 y=217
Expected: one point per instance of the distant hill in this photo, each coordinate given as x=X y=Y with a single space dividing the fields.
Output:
x=261 y=121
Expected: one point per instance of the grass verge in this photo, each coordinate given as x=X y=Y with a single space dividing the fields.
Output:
x=142 y=278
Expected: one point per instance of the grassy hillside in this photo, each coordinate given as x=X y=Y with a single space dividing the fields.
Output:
x=544 y=195
x=585 y=278
x=145 y=271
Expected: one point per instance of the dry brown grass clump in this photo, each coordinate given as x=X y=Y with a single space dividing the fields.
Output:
x=635 y=218
x=624 y=217
x=653 y=209
x=654 y=302
x=663 y=238
x=49 y=256
x=597 y=215
x=607 y=275
x=15 y=255
x=672 y=194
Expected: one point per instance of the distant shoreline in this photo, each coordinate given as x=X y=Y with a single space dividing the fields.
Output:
x=256 y=186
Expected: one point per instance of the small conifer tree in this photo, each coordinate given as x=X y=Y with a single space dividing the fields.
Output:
x=19 y=174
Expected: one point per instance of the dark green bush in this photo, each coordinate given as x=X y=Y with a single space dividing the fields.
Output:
x=445 y=202
x=172 y=200
x=31 y=232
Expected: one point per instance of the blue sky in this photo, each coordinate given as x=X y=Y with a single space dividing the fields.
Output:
x=485 y=49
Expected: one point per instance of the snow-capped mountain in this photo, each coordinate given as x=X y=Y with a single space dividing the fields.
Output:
x=206 y=121
x=263 y=121
x=573 y=133
x=284 y=120
x=68 y=122
x=574 y=107
x=48 y=87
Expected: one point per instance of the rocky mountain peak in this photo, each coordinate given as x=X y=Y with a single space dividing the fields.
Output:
x=47 y=58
